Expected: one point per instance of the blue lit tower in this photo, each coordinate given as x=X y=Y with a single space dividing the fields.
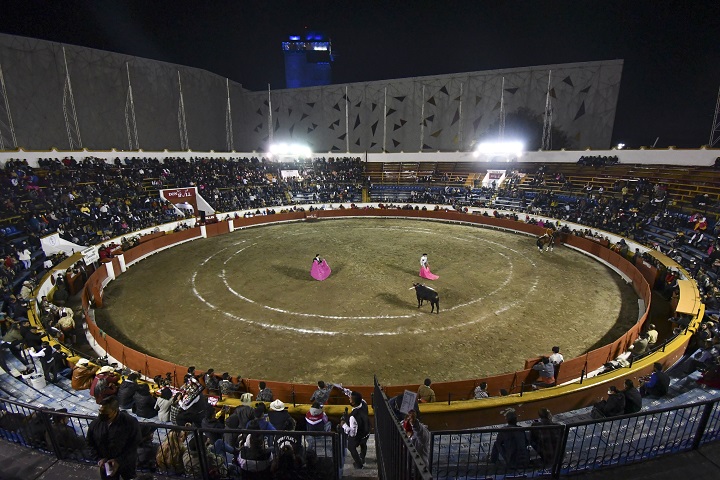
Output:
x=308 y=60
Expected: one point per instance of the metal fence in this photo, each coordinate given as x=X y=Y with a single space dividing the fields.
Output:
x=397 y=456
x=201 y=453
x=557 y=450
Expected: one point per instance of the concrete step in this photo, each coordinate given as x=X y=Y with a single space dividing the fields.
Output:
x=370 y=469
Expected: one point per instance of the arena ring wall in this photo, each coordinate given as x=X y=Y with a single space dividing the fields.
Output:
x=455 y=410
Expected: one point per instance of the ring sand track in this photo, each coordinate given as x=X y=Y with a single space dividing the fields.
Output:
x=245 y=302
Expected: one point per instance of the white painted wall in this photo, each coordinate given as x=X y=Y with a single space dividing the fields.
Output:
x=671 y=156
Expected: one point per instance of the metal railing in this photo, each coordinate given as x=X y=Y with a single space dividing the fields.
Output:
x=397 y=457
x=558 y=450
x=200 y=453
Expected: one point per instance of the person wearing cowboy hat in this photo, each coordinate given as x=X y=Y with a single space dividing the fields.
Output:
x=279 y=416
x=83 y=374
x=105 y=384
x=244 y=412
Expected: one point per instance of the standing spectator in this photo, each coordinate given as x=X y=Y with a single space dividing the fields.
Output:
x=357 y=427
x=556 y=358
x=47 y=360
x=113 y=438
x=265 y=394
x=425 y=393
x=658 y=383
x=66 y=323
x=633 y=399
x=322 y=394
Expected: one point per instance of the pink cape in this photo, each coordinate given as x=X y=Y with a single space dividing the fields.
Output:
x=426 y=273
x=320 y=271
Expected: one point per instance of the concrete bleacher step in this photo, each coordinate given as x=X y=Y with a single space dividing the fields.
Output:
x=370 y=469
x=58 y=395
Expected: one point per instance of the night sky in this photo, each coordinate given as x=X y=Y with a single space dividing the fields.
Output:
x=671 y=50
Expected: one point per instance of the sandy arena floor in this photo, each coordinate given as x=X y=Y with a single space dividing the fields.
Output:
x=245 y=302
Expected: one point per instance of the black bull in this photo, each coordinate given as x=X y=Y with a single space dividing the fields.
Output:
x=426 y=293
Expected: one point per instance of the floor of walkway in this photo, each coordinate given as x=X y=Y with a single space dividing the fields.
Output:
x=20 y=463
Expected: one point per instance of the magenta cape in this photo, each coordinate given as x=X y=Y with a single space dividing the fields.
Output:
x=426 y=273
x=320 y=271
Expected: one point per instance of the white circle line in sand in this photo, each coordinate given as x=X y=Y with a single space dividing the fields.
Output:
x=399 y=331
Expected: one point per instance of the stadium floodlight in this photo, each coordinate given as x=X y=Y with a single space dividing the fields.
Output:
x=289 y=150
x=620 y=146
x=499 y=148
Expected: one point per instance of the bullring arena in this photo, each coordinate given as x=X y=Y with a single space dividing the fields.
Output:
x=178 y=258
x=249 y=302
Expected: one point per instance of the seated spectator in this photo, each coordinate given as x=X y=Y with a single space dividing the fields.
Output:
x=633 y=399
x=83 y=374
x=143 y=402
x=613 y=406
x=211 y=381
x=254 y=456
x=147 y=450
x=510 y=446
x=71 y=444
x=658 y=383
x=26 y=292
x=192 y=404
x=640 y=346
x=545 y=441
x=425 y=393
x=163 y=404
x=226 y=386
x=546 y=373
x=279 y=416
x=169 y=457
x=408 y=423
x=126 y=392
x=265 y=394
x=105 y=384
x=481 y=391
x=316 y=420
x=245 y=411
x=216 y=467
x=652 y=336
x=287 y=464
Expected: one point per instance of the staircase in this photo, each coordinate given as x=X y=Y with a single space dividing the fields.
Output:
x=370 y=470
